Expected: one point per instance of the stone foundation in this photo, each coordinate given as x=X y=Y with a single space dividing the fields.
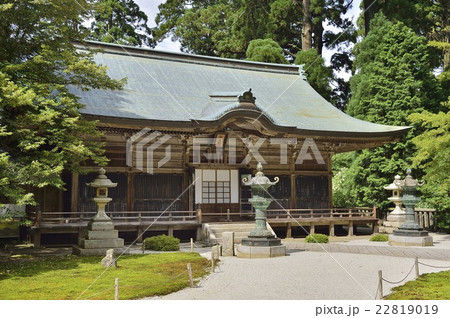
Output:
x=244 y=251
x=99 y=238
x=410 y=238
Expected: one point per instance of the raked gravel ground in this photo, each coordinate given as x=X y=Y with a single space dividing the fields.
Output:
x=305 y=275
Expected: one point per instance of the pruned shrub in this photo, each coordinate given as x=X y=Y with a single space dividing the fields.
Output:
x=379 y=238
x=316 y=238
x=161 y=243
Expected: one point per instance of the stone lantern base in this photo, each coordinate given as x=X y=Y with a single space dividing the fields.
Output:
x=403 y=237
x=100 y=237
x=393 y=222
x=260 y=247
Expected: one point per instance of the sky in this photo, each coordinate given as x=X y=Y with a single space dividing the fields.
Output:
x=150 y=7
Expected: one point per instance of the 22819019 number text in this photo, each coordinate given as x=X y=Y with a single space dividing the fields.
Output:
x=407 y=309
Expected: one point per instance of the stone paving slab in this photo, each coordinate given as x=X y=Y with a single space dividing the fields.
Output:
x=438 y=254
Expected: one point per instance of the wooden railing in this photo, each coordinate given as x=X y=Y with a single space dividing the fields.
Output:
x=425 y=217
x=321 y=213
x=73 y=218
x=117 y=217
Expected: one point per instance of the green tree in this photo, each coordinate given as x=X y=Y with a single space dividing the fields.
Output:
x=429 y=18
x=121 y=22
x=42 y=132
x=433 y=157
x=266 y=50
x=226 y=28
x=394 y=79
x=318 y=75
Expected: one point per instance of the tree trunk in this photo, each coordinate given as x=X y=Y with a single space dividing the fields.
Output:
x=367 y=16
x=446 y=26
x=318 y=37
x=307 y=26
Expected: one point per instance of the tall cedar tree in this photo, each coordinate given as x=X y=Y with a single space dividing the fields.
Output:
x=226 y=28
x=42 y=132
x=429 y=18
x=432 y=156
x=121 y=22
x=393 y=80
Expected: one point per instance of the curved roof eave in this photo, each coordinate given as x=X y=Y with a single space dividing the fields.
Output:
x=265 y=121
x=156 y=94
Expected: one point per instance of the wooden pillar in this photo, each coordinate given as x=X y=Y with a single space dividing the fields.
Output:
x=185 y=197
x=199 y=214
x=186 y=176
x=130 y=190
x=331 y=229
x=81 y=232
x=293 y=204
x=74 y=193
x=288 y=230
x=170 y=231
x=312 y=228
x=60 y=200
x=36 y=238
x=139 y=234
x=374 y=227
x=330 y=181
x=350 y=228
x=199 y=234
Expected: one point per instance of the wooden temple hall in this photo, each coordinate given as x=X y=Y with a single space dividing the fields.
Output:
x=185 y=130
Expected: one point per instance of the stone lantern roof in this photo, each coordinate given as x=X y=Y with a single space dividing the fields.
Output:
x=102 y=181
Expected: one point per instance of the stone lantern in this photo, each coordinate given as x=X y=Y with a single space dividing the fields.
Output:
x=100 y=235
x=397 y=216
x=410 y=233
x=101 y=183
x=260 y=243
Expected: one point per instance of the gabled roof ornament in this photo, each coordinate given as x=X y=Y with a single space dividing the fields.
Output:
x=302 y=72
x=247 y=98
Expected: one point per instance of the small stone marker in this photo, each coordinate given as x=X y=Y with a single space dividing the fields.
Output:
x=215 y=252
x=109 y=259
x=228 y=244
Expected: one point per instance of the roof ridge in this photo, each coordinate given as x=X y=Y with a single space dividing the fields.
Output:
x=191 y=58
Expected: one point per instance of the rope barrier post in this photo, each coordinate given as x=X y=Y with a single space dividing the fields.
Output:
x=380 y=284
x=192 y=245
x=416 y=265
x=116 y=292
x=213 y=265
x=191 y=281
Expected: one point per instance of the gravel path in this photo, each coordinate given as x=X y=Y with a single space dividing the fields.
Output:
x=310 y=274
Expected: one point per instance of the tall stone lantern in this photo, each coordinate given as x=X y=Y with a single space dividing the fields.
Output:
x=100 y=235
x=410 y=233
x=260 y=243
x=101 y=184
x=395 y=218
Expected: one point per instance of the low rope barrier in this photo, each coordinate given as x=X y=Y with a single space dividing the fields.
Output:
x=398 y=282
x=433 y=265
x=379 y=292
x=166 y=283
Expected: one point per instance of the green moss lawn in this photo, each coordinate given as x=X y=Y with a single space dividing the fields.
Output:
x=425 y=287
x=68 y=277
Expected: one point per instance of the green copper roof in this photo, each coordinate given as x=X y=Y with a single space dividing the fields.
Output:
x=182 y=87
